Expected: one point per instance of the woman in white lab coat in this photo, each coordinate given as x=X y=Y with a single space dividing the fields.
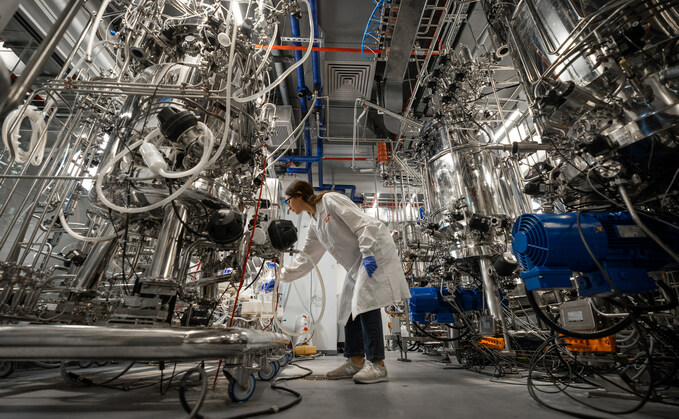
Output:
x=364 y=247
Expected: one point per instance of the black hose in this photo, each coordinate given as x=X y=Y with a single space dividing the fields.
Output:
x=440 y=339
x=193 y=412
x=578 y=335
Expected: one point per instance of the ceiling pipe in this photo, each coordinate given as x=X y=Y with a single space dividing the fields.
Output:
x=41 y=55
x=302 y=91
x=278 y=66
x=402 y=41
x=308 y=159
x=336 y=49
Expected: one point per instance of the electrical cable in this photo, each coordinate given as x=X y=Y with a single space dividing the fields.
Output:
x=623 y=324
x=180 y=219
x=163 y=392
x=593 y=256
x=275 y=386
x=193 y=412
x=645 y=398
x=77 y=378
x=440 y=339
x=638 y=222
x=252 y=235
x=261 y=268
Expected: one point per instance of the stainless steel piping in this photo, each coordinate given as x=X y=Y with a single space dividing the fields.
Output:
x=68 y=342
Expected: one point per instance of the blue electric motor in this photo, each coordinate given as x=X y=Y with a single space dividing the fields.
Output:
x=430 y=300
x=425 y=300
x=549 y=249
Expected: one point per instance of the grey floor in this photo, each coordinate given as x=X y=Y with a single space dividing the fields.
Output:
x=420 y=389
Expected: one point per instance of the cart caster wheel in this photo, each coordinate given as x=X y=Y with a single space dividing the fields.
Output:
x=240 y=394
x=7 y=368
x=288 y=358
x=269 y=371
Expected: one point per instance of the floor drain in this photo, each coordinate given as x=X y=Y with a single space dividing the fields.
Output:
x=316 y=377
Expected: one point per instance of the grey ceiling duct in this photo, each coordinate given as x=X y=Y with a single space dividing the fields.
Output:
x=403 y=38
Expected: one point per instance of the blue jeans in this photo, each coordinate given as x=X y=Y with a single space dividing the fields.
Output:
x=363 y=336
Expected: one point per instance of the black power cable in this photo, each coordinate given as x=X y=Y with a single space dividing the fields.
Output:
x=440 y=339
x=181 y=220
x=541 y=354
x=193 y=412
x=623 y=324
x=256 y=276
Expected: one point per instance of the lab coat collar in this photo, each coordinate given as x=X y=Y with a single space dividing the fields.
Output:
x=320 y=208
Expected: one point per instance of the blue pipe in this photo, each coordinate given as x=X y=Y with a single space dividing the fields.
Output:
x=296 y=170
x=299 y=159
x=301 y=91
x=315 y=55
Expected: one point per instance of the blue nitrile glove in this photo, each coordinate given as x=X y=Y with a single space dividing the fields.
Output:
x=370 y=265
x=268 y=287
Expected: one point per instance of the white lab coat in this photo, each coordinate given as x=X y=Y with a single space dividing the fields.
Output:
x=342 y=229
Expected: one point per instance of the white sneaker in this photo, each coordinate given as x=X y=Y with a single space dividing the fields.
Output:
x=371 y=373
x=348 y=370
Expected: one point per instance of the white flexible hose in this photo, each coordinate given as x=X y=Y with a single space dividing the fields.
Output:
x=227 y=112
x=36 y=148
x=268 y=50
x=289 y=70
x=125 y=210
x=185 y=186
x=275 y=294
x=208 y=145
x=93 y=29
x=77 y=236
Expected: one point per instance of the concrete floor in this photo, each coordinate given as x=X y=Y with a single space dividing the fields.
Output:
x=417 y=390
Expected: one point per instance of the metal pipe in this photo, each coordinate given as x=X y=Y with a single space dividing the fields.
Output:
x=301 y=91
x=167 y=246
x=492 y=295
x=70 y=342
x=282 y=86
x=94 y=268
x=398 y=116
x=40 y=57
x=669 y=74
x=330 y=49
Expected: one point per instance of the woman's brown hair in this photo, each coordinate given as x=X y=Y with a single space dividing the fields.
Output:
x=305 y=190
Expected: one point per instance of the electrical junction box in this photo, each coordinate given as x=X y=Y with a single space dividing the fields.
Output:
x=487 y=325
x=577 y=315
